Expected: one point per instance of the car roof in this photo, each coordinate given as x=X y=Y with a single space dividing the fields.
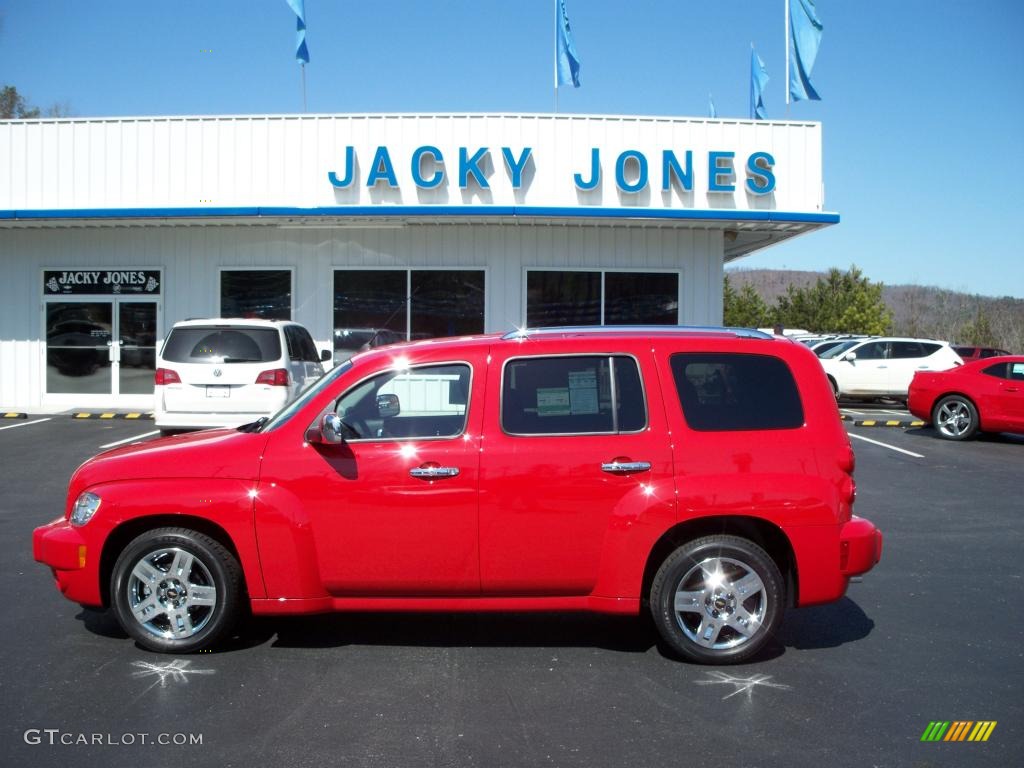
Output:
x=246 y=322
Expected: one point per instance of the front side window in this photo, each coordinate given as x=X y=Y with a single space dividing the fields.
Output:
x=256 y=293
x=416 y=403
x=572 y=395
x=722 y=392
x=876 y=350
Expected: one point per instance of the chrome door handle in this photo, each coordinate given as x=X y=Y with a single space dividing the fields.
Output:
x=431 y=473
x=625 y=467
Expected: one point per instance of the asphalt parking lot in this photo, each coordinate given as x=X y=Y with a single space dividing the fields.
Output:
x=935 y=632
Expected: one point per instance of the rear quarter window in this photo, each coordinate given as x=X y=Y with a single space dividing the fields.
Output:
x=195 y=344
x=721 y=392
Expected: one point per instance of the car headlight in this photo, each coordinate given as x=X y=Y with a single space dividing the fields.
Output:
x=85 y=507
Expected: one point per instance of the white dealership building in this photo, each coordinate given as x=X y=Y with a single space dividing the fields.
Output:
x=391 y=226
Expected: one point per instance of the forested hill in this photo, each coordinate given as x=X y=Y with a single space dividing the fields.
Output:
x=917 y=310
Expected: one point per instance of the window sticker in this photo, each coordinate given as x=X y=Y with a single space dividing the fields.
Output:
x=583 y=392
x=1017 y=369
x=553 y=401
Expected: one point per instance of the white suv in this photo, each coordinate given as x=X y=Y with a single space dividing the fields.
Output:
x=229 y=372
x=883 y=367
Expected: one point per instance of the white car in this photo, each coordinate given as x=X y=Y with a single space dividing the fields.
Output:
x=226 y=372
x=884 y=367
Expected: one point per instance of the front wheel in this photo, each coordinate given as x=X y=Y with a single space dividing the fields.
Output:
x=717 y=599
x=955 y=417
x=176 y=590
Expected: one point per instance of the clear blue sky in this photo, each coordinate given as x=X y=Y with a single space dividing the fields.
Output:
x=923 y=100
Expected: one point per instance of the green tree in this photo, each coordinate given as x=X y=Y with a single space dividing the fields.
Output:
x=979 y=331
x=839 y=302
x=13 y=105
x=745 y=309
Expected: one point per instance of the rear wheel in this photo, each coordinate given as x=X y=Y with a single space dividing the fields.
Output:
x=176 y=590
x=717 y=599
x=835 y=388
x=955 y=417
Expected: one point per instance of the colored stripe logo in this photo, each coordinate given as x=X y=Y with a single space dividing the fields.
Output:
x=958 y=730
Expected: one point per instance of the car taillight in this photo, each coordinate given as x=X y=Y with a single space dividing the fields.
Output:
x=166 y=376
x=278 y=377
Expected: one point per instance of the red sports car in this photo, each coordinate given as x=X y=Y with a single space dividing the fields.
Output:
x=982 y=395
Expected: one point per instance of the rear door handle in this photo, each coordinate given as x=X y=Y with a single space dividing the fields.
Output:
x=433 y=472
x=617 y=467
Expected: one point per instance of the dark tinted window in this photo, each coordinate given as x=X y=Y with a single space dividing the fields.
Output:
x=262 y=293
x=195 y=344
x=446 y=303
x=307 y=347
x=908 y=349
x=572 y=395
x=721 y=392
x=876 y=350
x=563 y=298
x=641 y=298
x=999 y=370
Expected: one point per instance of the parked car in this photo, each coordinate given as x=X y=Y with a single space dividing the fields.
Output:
x=228 y=372
x=980 y=396
x=978 y=353
x=883 y=367
x=701 y=475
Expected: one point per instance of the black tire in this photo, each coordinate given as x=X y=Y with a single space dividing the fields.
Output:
x=955 y=418
x=835 y=388
x=708 y=604
x=144 y=578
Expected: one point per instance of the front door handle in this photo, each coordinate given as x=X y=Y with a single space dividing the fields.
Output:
x=618 y=467
x=433 y=472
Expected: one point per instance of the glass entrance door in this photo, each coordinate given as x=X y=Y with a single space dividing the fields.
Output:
x=101 y=347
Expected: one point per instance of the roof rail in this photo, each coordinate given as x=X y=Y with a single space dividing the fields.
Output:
x=525 y=333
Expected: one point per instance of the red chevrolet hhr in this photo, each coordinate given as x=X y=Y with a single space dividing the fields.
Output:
x=702 y=474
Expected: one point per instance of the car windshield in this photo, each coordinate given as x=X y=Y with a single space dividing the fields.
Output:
x=222 y=344
x=839 y=349
x=294 y=407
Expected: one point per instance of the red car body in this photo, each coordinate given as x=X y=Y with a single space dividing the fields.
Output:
x=994 y=386
x=531 y=522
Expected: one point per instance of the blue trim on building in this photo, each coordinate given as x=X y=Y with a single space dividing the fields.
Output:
x=391 y=211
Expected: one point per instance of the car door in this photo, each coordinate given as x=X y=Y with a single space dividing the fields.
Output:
x=868 y=373
x=574 y=457
x=392 y=511
x=1002 y=402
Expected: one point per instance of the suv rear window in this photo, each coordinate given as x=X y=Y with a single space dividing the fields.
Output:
x=572 y=396
x=197 y=344
x=725 y=392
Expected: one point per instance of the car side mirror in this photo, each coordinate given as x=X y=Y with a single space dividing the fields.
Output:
x=850 y=356
x=388 y=406
x=325 y=355
x=329 y=430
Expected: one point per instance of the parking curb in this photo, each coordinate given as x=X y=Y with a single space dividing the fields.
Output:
x=886 y=423
x=13 y=415
x=134 y=416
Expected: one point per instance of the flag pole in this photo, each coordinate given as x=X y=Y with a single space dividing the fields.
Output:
x=554 y=57
x=303 y=86
x=786 y=25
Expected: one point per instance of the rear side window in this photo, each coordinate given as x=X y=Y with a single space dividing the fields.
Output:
x=300 y=344
x=572 y=395
x=196 y=344
x=909 y=349
x=722 y=392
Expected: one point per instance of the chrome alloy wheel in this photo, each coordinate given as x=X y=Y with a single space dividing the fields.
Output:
x=171 y=593
x=954 y=418
x=720 y=603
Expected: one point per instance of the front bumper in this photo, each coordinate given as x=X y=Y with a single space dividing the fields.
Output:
x=72 y=558
x=860 y=546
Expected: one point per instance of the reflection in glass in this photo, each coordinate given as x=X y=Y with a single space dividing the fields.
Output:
x=447 y=303
x=641 y=298
x=77 y=347
x=256 y=293
x=369 y=309
x=563 y=298
x=137 y=332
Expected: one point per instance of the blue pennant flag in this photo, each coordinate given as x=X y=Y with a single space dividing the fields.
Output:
x=712 y=112
x=301 y=51
x=758 y=81
x=567 y=62
x=804 y=39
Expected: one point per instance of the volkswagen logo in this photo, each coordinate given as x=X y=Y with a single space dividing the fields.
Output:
x=216 y=371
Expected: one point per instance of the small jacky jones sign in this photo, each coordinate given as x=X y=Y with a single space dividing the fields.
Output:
x=101 y=281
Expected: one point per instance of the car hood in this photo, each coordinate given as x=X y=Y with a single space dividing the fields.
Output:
x=213 y=453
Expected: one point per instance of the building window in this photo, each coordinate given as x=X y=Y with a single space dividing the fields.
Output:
x=601 y=298
x=256 y=293
x=572 y=395
x=382 y=306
